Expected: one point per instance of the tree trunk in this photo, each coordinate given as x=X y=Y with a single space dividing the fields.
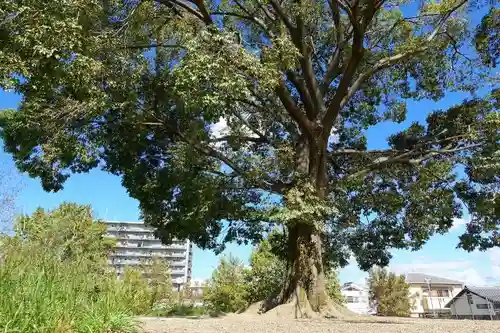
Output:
x=305 y=281
x=305 y=287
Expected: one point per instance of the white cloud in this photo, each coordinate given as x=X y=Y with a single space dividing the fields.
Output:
x=220 y=128
x=494 y=255
x=461 y=270
x=458 y=224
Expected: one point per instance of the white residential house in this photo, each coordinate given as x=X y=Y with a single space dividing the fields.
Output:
x=431 y=294
x=476 y=303
x=356 y=298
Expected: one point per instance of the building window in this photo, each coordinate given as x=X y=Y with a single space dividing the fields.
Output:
x=437 y=292
x=482 y=306
x=352 y=299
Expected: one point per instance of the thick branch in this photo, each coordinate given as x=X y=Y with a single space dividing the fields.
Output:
x=408 y=157
x=381 y=64
x=297 y=115
x=307 y=69
x=204 y=12
x=343 y=93
x=282 y=15
x=207 y=150
x=182 y=4
x=239 y=138
x=334 y=68
x=303 y=92
x=335 y=105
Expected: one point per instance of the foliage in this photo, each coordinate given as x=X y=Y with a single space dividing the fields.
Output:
x=389 y=293
x=333 y=286
x=157 y=272
x=52 y=278
x=225 y=119
x=69 y=232
x=226 y=291
x=488 y=37
x=264 y=279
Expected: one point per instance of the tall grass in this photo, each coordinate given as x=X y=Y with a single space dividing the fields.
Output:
x=41 y=293
x=54 y=278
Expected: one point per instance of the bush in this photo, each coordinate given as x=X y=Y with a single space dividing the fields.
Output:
x=389 y=293
x=265 y=278
x=53 y=276
x=226 y=291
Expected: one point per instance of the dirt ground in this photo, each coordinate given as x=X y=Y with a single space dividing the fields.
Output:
x=260 y=324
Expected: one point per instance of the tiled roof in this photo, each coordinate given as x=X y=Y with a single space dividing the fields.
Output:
x=491 y=293
x=422 y=278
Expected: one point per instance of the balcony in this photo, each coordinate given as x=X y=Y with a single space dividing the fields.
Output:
x=428 y=304
x=146 y=254
x=147 y=244
x=174 y=272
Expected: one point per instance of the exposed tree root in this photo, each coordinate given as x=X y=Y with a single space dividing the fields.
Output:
x=298 y=306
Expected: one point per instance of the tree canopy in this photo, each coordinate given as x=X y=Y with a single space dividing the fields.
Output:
x=227 y=118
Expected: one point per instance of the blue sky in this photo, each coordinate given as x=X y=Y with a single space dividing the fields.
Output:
x=110 y=200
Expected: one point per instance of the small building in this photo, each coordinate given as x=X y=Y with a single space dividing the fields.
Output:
x=356 y=298
x=476 y=303
x=430 y=294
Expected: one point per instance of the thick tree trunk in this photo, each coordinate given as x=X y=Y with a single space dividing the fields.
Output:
x=304 y=294
x=305 y=286
x=305 y=283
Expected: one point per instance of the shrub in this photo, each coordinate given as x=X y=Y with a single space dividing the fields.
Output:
x=389 y=293
x=265 y=278
x=53 y=276
x=226 y=291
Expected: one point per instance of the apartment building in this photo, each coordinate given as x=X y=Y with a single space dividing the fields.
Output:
x=136 y=243
x=431 y=294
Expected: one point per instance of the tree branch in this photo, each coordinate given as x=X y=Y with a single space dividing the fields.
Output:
x=204 y=12
x=282 y=15
x=297 y=115
x=240 y=138
x=308 y=70
x=334 y=68
x=303 y=92
x=267 y=185
x=335 y=105
x=406 y=157
x=182 y=4
x=248 y=16
x=381 y=64
x=151 y=46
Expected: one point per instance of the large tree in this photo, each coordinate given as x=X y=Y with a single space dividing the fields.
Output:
x=141 y=88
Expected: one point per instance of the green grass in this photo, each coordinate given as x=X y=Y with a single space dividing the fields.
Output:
x=39 y=293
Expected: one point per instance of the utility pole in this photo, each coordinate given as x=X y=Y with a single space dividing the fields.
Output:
x=430 y=296
x=490 y=307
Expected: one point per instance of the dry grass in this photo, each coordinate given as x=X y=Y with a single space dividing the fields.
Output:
x=261 y=324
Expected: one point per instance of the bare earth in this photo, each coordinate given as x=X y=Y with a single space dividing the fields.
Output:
x=261 y=324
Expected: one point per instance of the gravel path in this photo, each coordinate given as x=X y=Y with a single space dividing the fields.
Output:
x=262 y=324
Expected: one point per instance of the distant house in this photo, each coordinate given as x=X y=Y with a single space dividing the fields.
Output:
x=431 y=294
x=476 y=303
x=356 y=298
